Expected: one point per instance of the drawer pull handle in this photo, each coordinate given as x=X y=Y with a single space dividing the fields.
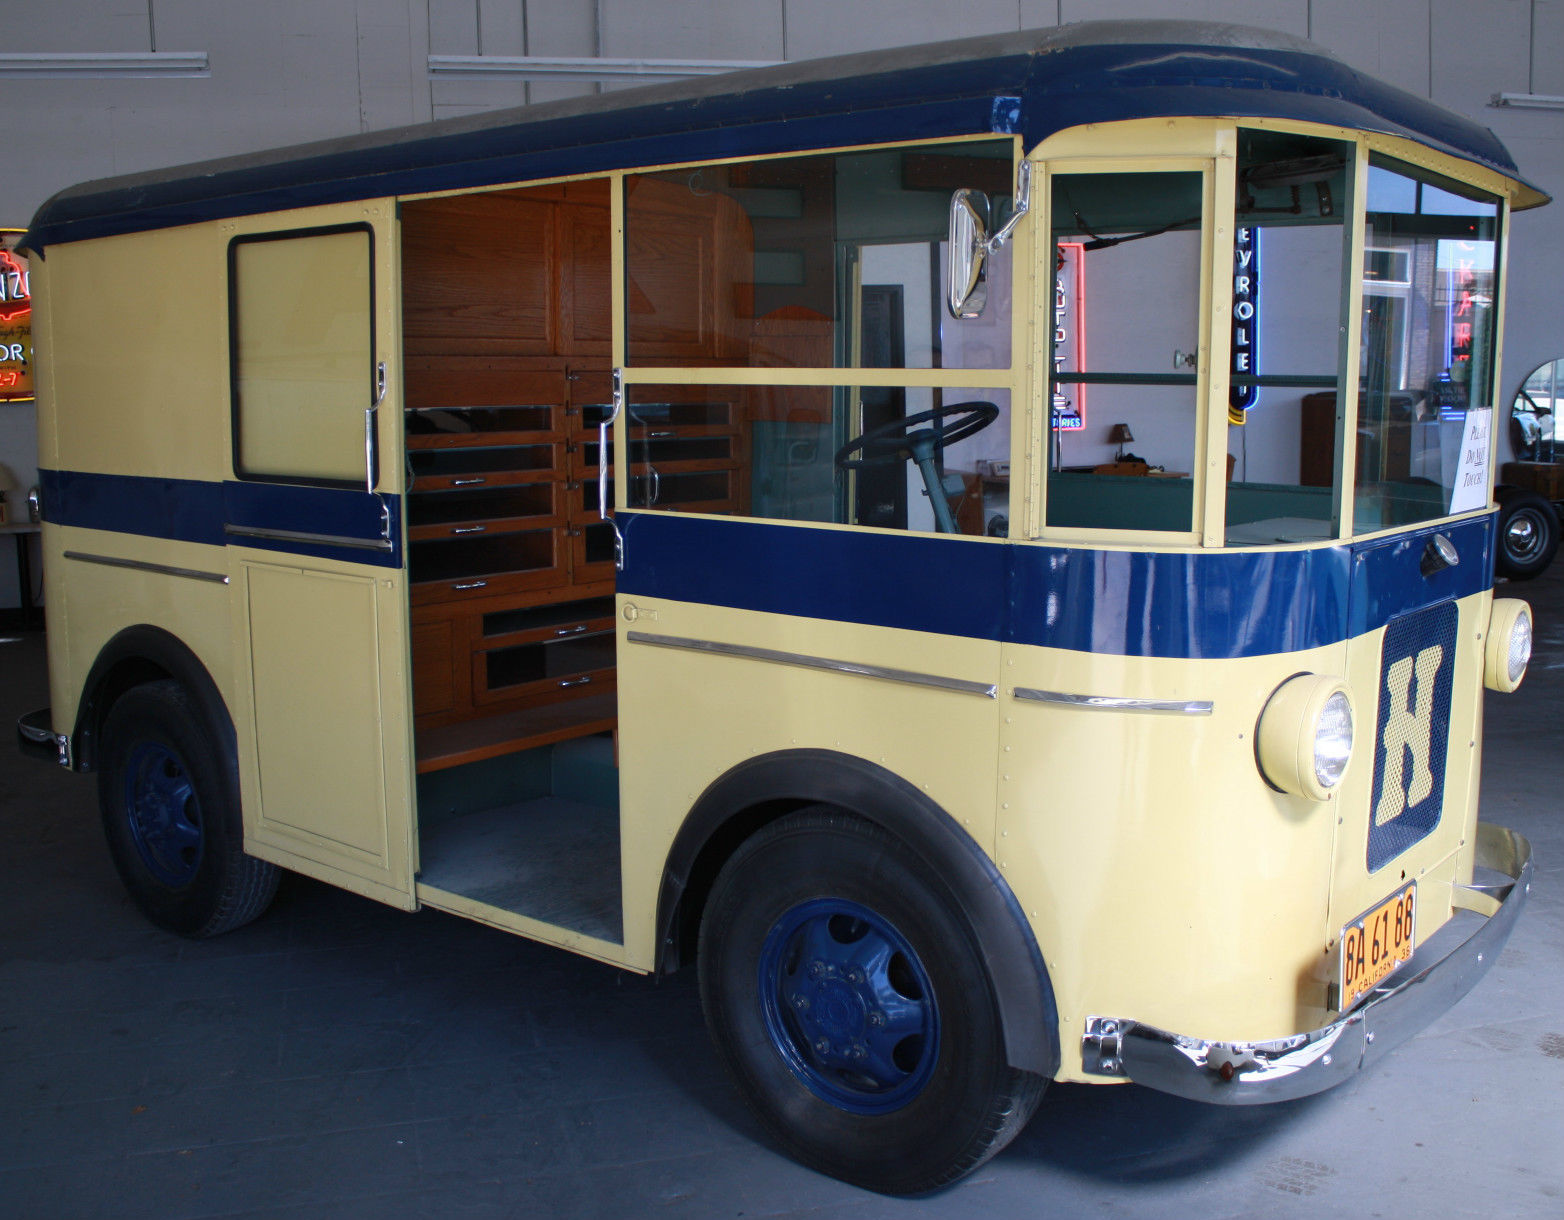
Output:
x=574 y=682
x=472 y=584
x=468 y=482
x=660 y=436
x=468 y=529
x=576 y=630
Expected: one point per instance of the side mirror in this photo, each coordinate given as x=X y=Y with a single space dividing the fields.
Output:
x=968 y=243
x=966 y=252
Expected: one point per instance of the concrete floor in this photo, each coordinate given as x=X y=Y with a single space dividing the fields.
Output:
x=341 y=1059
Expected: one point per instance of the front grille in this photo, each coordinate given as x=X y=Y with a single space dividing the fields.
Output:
x=1412 y=738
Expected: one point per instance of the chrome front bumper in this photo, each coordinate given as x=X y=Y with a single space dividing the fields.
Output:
x=36 y=739
x=1251 y=1073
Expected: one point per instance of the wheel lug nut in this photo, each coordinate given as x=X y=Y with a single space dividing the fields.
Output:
x=877 y=1019
x=801 y=1003
x=860 y=1053
x=855 y=976
x=823 y=1046
x=817 y=970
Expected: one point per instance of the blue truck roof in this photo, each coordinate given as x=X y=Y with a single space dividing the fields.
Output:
x=1032 y=83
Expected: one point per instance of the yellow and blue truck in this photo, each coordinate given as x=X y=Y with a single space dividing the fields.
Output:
x=985 y=549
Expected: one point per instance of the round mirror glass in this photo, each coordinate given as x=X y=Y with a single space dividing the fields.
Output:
x=1532 y=414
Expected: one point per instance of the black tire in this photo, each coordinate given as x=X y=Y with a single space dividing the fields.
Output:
x=168 y=790
x=939 y=1097
x=1528 y=534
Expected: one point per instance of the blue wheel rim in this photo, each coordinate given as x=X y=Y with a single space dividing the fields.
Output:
x=164 y=814
x=849 y=1006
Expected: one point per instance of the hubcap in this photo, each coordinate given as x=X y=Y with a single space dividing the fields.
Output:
x=849 y=1006
x=1522 y=538
x=164 y=814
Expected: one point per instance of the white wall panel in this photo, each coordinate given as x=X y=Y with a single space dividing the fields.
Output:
x=692 y=29
x=1039 y=14
x=282 y=72
x=817 y=28
x=564 y=29
x=1289 y=16
x=393 y=52
x=1388 y=39
x=1547 y=62
x=1479 y=50
x=453 y=27
x=502 y=27
x=80 y=25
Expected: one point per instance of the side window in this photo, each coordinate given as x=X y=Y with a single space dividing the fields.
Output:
x=1125 y=408
x=302 y=354
x=1430 y=268
x=818 y=264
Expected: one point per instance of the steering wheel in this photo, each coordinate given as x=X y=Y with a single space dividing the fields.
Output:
x=903 y=439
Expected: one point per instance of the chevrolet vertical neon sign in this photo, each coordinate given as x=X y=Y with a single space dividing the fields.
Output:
x=1246 y=329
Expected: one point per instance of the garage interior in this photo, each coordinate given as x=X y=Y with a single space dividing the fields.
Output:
x=340 y=1058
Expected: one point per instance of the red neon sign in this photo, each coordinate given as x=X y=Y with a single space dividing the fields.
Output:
x=16 y=322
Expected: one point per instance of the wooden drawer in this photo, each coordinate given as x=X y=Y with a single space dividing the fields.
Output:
x=556 y=620
x=501 y=561
x=444 y=427
x=558 y=666
x=469 y=511
x=451 y=467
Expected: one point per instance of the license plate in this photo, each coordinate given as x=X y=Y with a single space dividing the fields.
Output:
x=1376 y=943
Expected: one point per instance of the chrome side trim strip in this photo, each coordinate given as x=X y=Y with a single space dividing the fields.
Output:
x=137 y=565
x=1110 y=703
x=361 y=544
x=959 y=685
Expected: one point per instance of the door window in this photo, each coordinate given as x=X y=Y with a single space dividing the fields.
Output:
x=302 y=354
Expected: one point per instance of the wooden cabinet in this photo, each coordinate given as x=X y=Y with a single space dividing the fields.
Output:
x=507 y=330
x=511 y=579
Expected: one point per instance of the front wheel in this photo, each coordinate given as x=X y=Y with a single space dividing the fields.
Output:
x=1528 y=535
x=846 y=995
x=169 y=795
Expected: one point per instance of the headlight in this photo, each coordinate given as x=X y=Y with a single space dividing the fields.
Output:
x=1508 y=649
x=1304 y=739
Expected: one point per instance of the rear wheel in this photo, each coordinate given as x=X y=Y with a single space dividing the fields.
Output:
x=846 y=995
x=169 y=795
x=1528 y=534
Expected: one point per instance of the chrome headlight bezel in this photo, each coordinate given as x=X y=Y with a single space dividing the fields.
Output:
x=1304 y=738
x=1509 y=644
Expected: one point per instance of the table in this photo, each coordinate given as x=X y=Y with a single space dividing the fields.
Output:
x=22 y=531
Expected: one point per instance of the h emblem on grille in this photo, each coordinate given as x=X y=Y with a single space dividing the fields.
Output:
x=1413 y=738
x=1409 y=733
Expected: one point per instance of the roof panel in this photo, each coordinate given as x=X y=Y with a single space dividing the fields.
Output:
x=1034 y=83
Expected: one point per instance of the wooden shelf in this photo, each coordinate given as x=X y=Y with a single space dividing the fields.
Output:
x=472 y=740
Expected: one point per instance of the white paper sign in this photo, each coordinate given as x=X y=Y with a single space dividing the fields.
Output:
x=1470 y=489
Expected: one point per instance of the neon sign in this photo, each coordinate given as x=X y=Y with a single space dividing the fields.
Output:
x=1468 y=268
x=16 y=322
x=1069 y=342
x=1246 y=328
